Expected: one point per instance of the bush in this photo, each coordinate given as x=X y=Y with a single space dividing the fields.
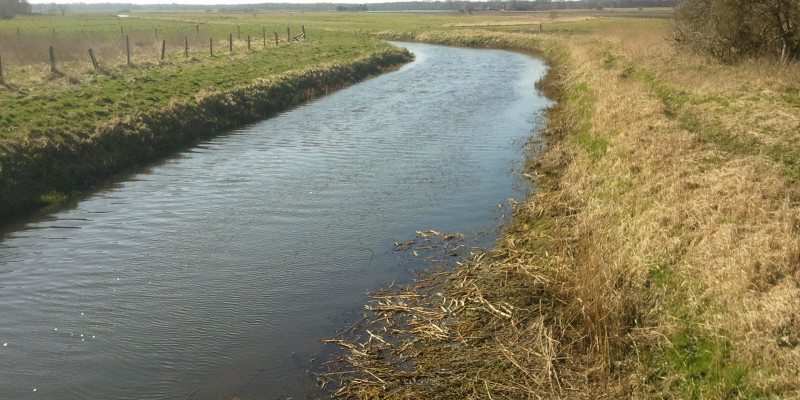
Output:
x=729 y=30
x=11 y=8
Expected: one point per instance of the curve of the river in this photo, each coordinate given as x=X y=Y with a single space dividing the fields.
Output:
x=218 y=272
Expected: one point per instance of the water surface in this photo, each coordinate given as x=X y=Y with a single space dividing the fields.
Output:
x=218 y=272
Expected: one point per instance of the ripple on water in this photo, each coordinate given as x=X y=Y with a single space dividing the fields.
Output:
x=222 y=268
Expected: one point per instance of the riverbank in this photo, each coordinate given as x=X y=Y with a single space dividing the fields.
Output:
x=659 y=259
x=38 y=170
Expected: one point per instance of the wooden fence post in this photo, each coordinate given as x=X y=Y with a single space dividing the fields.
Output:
x=264 y=28
x=211 y=46
x=163 y=48
x=1 y=70
x=288 y=35
x=156 y=31
x=238 y=32
x=128 y=48
x=230 y=42
x=248 y=42
x=94 y=60
x=276 y=37
x=186 y=46
x=121 y=32
x=304 y=31
x=52 y=61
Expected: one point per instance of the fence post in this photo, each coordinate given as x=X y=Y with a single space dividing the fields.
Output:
x=248 y=42
x=288 y=35
x=121 y=32
x=238 y=32
x=156 y=31
x=94 y=60
x=1 y=70
x=53 y=61
x=186 y=46
x=163 y=48
x=304 y=32
x=230 y=42
x=264 y=28
x=128 y=48
x=211 y=46
x=276 y=37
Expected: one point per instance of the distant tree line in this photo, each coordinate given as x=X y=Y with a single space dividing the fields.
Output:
x=362 y=7
x=442 y=5
x=730 y=30
x=519 y=5
x=11 y=8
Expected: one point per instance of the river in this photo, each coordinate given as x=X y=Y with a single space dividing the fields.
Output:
x=217 y=272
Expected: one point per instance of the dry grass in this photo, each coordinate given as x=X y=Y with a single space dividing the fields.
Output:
x=726 y=220
x=661 y=259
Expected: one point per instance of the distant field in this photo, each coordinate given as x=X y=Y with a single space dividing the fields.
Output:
x=64 y=126
x=36 y=101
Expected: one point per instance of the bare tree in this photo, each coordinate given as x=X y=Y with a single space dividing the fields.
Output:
x=731 y=29
x=12 y=8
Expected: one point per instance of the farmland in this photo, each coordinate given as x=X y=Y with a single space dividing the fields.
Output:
x=75 y=97
x=56 y=108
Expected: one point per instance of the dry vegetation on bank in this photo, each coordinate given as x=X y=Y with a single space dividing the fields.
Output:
x=661 y=258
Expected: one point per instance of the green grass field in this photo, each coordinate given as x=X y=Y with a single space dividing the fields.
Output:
x=60 y=128
x=37 y=102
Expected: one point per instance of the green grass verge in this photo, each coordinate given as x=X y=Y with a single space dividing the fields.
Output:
x=694 y=365
x=33 y=171
x=61 y=132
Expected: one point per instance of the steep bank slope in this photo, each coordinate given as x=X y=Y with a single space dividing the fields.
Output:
x=660 y=259
x=35 y=171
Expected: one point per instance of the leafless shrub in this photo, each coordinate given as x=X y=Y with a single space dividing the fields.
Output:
x=729 y=30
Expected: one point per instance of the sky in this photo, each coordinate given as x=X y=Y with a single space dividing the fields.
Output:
x=209 y=2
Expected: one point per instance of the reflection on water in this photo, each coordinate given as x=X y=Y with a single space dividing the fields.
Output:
x=218 y=272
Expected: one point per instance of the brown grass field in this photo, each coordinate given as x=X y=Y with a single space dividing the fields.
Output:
x=661 y=259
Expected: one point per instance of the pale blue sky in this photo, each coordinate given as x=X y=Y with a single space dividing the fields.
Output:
x=207 y=2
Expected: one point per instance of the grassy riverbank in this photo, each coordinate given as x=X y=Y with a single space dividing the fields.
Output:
x=659 y=260
x=61 y=131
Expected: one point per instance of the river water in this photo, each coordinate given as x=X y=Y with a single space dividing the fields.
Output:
x=218 y=272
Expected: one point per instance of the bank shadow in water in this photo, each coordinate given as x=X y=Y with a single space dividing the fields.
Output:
x=219 y=271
